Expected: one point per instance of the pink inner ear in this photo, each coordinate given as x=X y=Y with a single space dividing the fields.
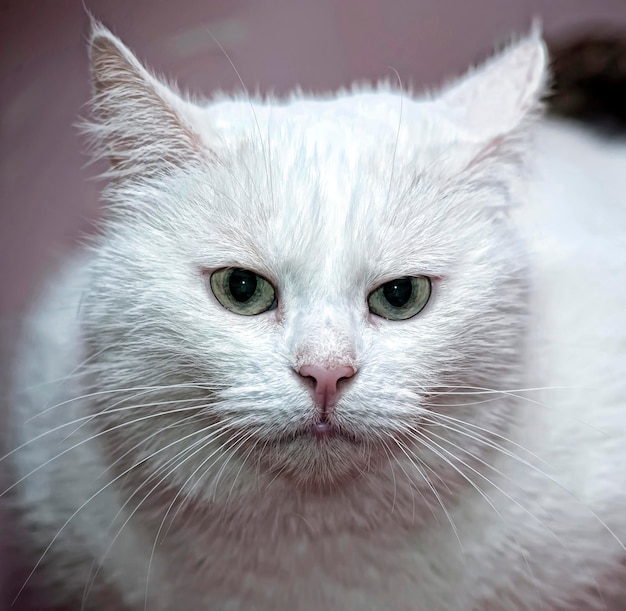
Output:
x=487 y=151
x=494 y=99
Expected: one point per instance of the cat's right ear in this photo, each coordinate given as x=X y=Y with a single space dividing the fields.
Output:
x=139 y=123
x=493 y=99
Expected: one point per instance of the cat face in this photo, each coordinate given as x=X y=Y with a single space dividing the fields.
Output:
x=310 y=290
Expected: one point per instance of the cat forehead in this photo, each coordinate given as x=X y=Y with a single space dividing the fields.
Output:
x=368 y=115
x=344 y=178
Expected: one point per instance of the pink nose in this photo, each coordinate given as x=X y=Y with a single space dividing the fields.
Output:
x=325 y=382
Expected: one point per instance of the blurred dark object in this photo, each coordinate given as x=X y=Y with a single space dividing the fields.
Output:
x=589 y=81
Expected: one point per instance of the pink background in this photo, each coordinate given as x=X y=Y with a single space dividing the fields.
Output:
x=47 y=197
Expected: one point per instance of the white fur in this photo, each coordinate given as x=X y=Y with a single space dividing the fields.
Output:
x=467 y=490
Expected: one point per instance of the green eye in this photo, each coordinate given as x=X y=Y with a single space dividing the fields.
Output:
x=242 y=291
x=401 y=298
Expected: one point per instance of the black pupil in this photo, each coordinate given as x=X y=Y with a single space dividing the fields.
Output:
x=242 y=284
x=398 y=292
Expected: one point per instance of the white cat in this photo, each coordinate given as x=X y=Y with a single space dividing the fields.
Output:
x=358 y=351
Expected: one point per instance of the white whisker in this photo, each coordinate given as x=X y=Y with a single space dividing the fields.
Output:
x=202 y=443
x=434 y=491
x=91 y=438
x=432 y=446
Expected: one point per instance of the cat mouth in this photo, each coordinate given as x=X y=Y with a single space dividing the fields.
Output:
x=317 y=453
x=323 y=431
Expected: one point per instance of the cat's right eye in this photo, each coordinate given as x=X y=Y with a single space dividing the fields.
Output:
x=243 y=291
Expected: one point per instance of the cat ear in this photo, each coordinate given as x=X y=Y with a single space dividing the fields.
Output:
x=495 y=98
x=141 y=124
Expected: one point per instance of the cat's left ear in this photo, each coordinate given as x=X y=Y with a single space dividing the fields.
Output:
x=494 y=99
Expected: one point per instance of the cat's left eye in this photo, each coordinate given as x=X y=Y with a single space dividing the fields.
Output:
x=243 y=291
x=401 y=298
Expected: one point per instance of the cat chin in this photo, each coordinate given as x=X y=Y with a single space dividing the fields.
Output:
x=315 y=461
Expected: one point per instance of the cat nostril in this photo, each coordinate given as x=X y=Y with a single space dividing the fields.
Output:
x=326 y=377
x=325 y=381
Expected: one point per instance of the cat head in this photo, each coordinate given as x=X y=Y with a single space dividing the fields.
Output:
x=311 y=290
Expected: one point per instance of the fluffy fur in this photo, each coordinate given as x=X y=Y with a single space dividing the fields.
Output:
x=161 y=453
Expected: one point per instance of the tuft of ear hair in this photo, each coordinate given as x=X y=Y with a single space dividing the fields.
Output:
x=139 y=123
